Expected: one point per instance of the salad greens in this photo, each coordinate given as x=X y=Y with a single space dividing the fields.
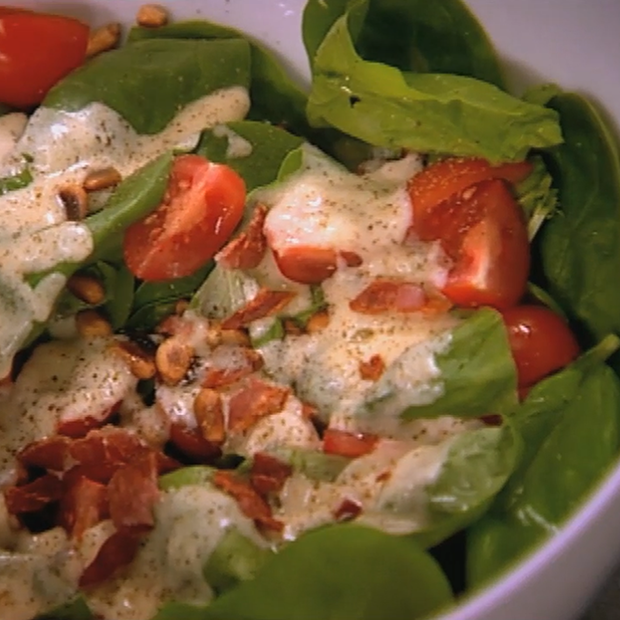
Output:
x=401 y=75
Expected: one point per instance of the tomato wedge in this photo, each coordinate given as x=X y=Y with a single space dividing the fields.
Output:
x=483 y=231
x=202 y=206
x=348 y=444
x=451 y=176
x=36 y=51
x=541 y=342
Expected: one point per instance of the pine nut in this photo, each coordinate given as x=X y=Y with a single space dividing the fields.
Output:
x=74 y=200
x=140 y=362
x=101 y=179
x=173 y=359
x=209 y=415
x=86 y=289
x=90 y=323
x=103 y=39
x=152 y=16
x=317 y=322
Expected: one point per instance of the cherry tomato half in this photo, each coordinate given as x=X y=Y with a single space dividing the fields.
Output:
x=451 y=176
x=203 y=205
x=483 y=230
x=36 y=51
x=541 y=342
x=348 y=444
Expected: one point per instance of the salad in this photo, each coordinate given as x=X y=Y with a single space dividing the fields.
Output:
x=269 y=353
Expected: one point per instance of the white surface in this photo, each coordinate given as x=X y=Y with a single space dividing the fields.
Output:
x=576 y=44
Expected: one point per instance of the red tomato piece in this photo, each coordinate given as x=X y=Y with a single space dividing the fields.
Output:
x=36 y=51
x=483 y=231
x=348 y=444
x=192 y=443
x=202 y=206
x=541 y=342
x=451 y=176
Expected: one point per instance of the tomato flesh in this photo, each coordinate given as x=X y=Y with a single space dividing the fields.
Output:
x=483 y=231
x=451 y=176
x=541 y=342
x=202 y=206
x=36 y=51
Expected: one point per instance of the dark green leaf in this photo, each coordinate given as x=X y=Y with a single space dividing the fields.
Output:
x=269 y=145
x=580 y=246
x=423 y=112
x=343 y=572
x=477 y=375
x=10 y=184
x=75 y=610
x=120 y=298
x=148 y=82
x=181 y=611
x=275 y=97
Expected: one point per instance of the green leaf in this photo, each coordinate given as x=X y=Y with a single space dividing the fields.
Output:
x=75 y=610
x=120 y=298
x=186 y=476
x=148 y=82
x=476 y=375
x=422 y=112
x=269 y=146
x=274 y=95
x=580 y=246
x=235 y=559
x=17 y=181
x=334 y=573
x=178 y=611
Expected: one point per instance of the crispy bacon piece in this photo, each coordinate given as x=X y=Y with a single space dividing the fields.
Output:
x=372 y=369
x=220 y=377
x=265 y=303
x=253 y=402
x=34 y=495
x=347 y=510
x=247 y=250
x=133 y=492
x=191 y=442
x=352 y=259
x=348 y=444
x=49 y=453
x=116 y=552
x=268 y=474
x=389 y=296
x=80 y=427
x=84 y=503
x=250 y=502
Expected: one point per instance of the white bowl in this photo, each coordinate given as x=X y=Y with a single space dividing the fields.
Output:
x=574 y=43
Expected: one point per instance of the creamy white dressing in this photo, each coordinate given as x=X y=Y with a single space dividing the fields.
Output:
x=190 y=522
x=238 y=147
x=62 y=381
x=11 y=127
x=62 y=148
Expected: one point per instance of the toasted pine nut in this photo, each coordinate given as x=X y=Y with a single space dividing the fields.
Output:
x=152 y=16
x=181 y=306
x=173 y=359
x=209 y=415
x=140 y=362
x=91 y=323
x=74 y=200
x=235 y=336
x=103 y=39
x=317 y=322
x=86 y=289
x=101 y=179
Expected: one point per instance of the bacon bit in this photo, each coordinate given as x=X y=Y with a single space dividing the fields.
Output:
x=308 y=411
x=210 y=415
x=265 y=303
x=372 y=369
x=352 y=259
x=386 y=295
x=492 y=419
x=384 y=476
x=253 y=402
x=133 y=492
x=250 y=502
x=220 y=377
x=192 y=444
x=268 y=474
x=116 y=552
x=48 y=453
x=247 y=250
x=34 y=495
x=84 y=504
x=348 y=444
x=80 y=427
x=108 y=446
x=348 y=509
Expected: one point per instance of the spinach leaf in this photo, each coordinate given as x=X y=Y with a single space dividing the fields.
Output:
x=120 y=296
x=537 y=197
x=334 y=572
x=17 y=181
x=275 y=97
x=572 y=418
x=148 y=82
x=423 y=112
x=476 y=375
x=175 y=611
x=75 y=610
x=580 y=246
x=269 y=146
